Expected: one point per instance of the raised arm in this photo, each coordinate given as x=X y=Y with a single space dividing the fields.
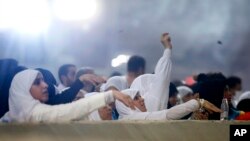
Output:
x=157 y=97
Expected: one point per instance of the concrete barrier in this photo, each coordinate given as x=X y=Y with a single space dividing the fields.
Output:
x=119 y=130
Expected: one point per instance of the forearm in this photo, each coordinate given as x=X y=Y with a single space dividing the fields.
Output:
x=160 y=87
x=73 y=111
x=182 y=110
x=66 y=96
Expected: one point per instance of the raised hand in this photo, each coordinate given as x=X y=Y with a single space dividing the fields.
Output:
x=210 y=107
x=92 y=79
x=166 y=40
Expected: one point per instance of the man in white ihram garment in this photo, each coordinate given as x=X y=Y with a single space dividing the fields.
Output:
x=154 y=88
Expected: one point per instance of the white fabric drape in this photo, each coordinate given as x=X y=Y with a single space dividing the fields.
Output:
x=183 y=91
x=119 y=82
x=173 y=113
x=155 y=87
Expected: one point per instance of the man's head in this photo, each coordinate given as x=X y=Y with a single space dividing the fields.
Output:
x=234 y=84
x=212 y=88
x=88 y=87
x=136 y=65
x=67 y=74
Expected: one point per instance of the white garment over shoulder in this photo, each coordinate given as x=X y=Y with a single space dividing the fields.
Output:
x=155 y=87
x=24 y=108
x=119 y=82
x=176 y=112
x=77 y=110
x=93 y=116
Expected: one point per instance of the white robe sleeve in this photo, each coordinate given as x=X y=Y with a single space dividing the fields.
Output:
x=158 y=115
x=179 y=111
x=73 y=111
x=174 y=113
x=157 y=97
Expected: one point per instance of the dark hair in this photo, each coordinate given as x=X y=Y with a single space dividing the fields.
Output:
x=63 y=70
x=136 y=63
x=50 y=80
x=5 y=66
x=4 y=96
x=243 y=105
x=84 y=70
x=172 y=90
x=232 y=81
x=115 y=73
x=211 y=88
x=47 y=76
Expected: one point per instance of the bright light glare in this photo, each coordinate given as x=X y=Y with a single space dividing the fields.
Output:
x=74 y=10
x=26 y=16
x=119 y=60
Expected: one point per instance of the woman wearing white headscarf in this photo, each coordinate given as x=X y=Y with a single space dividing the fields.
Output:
x=155 y=87
x=173 y=113
x=184 y=93
x=28 y=92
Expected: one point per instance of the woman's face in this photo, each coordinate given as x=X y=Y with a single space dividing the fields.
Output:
x=139 y=103
x=39 y=89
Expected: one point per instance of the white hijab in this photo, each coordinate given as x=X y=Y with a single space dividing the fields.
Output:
x=21 y=103
x=122 y=109
x=245 y=95
x=119 y=82
x=183 y=91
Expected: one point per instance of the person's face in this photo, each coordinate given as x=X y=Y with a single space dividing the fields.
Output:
x=105 y=112
x=139 y=103
x=140 y=72
x=39 y=89
x=228 y=95
x=187 y=97
x=71 y=75
x=173 y=100
x=238 y=87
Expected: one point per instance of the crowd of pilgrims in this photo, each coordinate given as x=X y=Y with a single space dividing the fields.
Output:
x=34 y=95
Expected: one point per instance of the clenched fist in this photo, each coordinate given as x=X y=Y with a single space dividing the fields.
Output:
x=166 y=40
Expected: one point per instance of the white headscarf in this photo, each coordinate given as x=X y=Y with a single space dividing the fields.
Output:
x=119 y=82
x=122 y=109
x=183 y=91
x=21 y=102
x=94 y=116
x=245 y=95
